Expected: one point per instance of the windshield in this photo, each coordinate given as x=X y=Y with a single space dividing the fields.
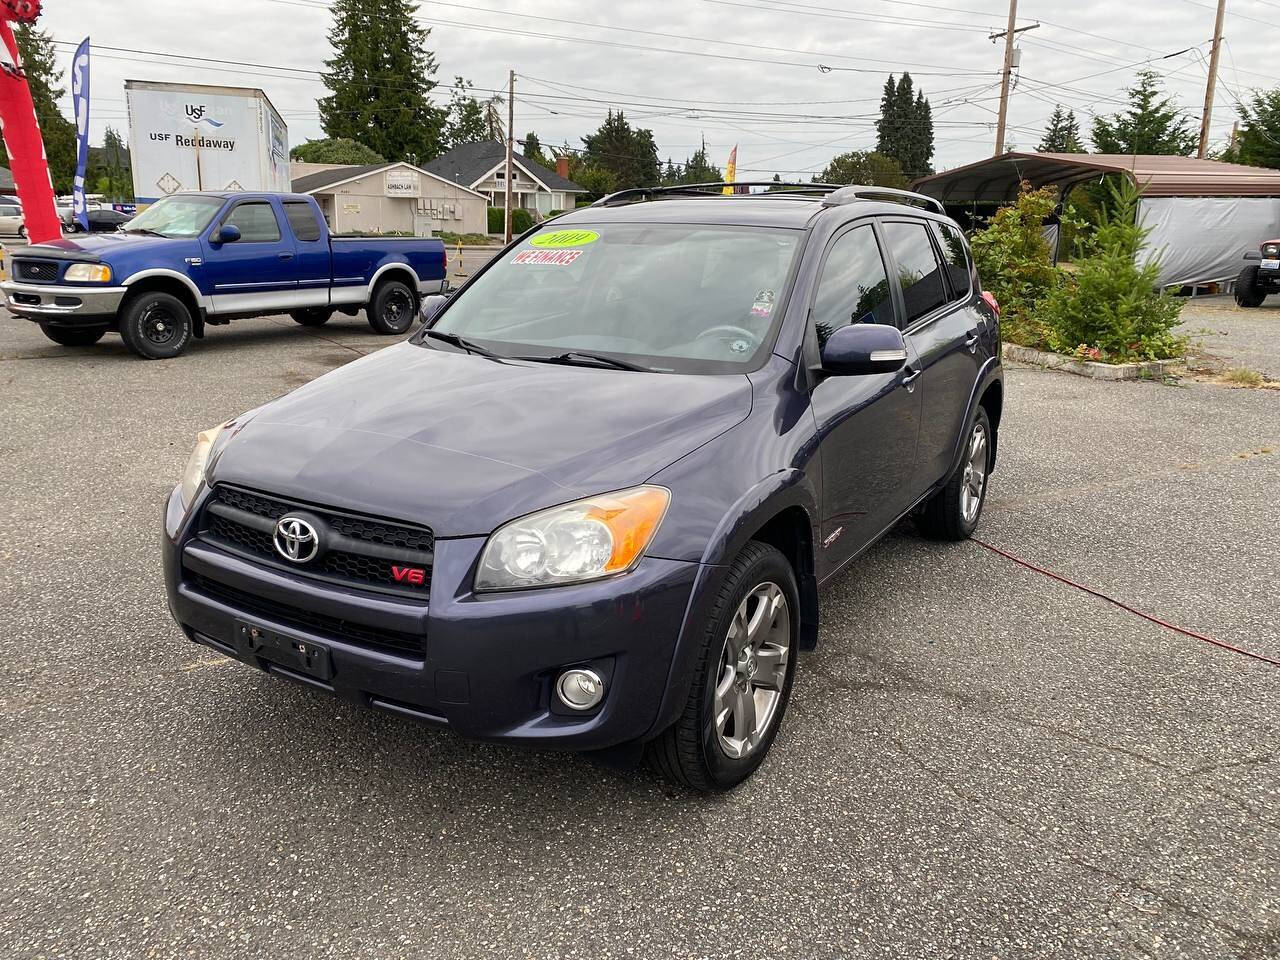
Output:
x=684 y=298
x=177 y=216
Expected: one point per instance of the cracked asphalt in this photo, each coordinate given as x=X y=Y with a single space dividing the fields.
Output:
x=978 y=761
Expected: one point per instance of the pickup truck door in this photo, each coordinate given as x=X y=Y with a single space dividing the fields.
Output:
x=313 y=260
x=255 y=272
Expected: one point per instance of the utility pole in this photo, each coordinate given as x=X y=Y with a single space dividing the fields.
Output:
x=511 y=134
x=1005 y=75
x=1207 y=117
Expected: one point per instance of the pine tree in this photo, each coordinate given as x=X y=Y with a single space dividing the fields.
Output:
x=1259 y=143
x=1153 y=124
x=59 y=134
x=465 y=120
x=698 y=169
x=531 y=147
x=380 y=81
x=671 y=175
x=629 y=155
x=1063 y=133
x=905 y=128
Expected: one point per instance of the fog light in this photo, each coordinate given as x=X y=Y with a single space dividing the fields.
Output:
x=580 y=688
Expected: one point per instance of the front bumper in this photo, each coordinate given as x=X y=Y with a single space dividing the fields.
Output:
x=62 y=302
x=488 y=662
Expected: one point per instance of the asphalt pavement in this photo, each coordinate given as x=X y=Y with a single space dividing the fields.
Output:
x=979 y=761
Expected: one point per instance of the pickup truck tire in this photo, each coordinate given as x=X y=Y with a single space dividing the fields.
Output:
x=1249 y=292
x=312 y=316
x=73 y=336
x=393 y=308
x=698 y=751
x=953 y=512
x=155 y=325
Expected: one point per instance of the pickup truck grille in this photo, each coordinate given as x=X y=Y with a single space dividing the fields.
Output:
x=356 y=551
x=36 y=271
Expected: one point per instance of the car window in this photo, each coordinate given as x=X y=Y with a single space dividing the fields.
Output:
x=256 y=220
x=302 y=220
x=956 y=257
x=854 y=287
x=9 y=211
x=919 y=273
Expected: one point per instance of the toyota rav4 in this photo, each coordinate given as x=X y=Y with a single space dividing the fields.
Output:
x=590 y=504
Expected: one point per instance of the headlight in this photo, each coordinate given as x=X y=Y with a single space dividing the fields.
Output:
x=91 y=272
x=592 y=538
x=194 y=477
x=1271 y=250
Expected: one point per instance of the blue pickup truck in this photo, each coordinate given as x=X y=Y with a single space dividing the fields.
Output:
x=196 y=259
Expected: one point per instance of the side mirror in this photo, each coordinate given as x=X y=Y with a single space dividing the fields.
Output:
x=229 y=233
x=862 y=348
x=1253 y=255
x=432 y=304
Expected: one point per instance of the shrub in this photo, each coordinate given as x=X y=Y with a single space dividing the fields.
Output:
x=497 y=222
x=1109 y=307
x=1015 y=263
x=521 y=220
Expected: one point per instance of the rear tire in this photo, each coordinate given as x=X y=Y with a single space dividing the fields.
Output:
x=736 y=700
x=953 y=512
x=393 y=308
x=22 y=231
x=312 y=316
x=73 y=336
x=1249 y=292
x=155 y=325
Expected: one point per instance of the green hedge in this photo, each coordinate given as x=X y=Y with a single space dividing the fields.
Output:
x=496 y=220
x=521 y=220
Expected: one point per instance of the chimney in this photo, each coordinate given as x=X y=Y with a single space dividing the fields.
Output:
x=562 y=167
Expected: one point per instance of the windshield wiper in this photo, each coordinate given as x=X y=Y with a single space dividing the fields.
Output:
x=146 y=230
x=581 y=358
x=462 y=343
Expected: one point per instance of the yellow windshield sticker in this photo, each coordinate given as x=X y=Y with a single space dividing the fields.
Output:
x=559 y=239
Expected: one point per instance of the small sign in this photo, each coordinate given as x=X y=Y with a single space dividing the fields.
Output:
x=402 y=183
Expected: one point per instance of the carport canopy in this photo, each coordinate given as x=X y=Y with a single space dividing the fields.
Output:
x=996 y=179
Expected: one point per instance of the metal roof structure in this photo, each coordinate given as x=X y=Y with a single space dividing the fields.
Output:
x=996 y=180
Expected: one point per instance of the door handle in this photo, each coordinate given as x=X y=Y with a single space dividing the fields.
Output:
x=284 y=256
x=972 y=342
x=909 y=381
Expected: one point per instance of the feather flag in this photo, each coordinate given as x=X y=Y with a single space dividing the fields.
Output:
x=731 y=170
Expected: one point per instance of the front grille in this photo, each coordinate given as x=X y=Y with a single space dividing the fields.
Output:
x=36 y=271
x=357 y=551
x=330 y=627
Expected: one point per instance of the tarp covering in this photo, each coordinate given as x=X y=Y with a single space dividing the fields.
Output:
x=1204 y=239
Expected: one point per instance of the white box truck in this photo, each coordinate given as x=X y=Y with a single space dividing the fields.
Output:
x=191 y=136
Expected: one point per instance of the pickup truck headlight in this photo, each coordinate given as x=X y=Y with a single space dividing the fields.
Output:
x=575 y=542
x=1271 y=250
x=194 y=477
x=88 y=272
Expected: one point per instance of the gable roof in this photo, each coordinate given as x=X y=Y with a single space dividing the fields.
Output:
x=469 y=163
x=321 y=179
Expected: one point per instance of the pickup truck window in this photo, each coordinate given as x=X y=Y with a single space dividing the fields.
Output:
x=256 y=220
x=179 y=216
x=302 y=220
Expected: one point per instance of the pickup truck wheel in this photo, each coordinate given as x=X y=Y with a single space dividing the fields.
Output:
x=742 y=681
x=155 y=325
x=312 y=316
x=953 y=512
x=393 y=308
x=1249 y=292
x=73 y=336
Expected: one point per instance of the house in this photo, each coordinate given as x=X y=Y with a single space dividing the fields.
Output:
x=390 y=198
x=482 y=166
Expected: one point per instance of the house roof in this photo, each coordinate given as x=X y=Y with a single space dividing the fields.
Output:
x=469 y=163
x=321 y=179
x=996 y=179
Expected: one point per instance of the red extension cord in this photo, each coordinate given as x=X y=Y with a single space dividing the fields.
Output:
x=1125 y=606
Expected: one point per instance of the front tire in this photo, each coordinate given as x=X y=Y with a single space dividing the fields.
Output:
x=156 y=325
x=312 y=316
x=1249 y=292
x=73 y=336
x=953 y=512
x=393 y=308
x=742 y=681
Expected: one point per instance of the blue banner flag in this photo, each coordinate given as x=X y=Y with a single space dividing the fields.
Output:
x=80 y=99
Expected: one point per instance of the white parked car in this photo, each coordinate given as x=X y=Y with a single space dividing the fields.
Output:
x=11 y=221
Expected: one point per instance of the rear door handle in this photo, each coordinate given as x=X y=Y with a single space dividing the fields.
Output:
x=972 y=342
x=284 y=256
x=909 y=381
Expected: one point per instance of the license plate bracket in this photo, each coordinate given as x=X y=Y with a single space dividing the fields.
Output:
x=295 y=653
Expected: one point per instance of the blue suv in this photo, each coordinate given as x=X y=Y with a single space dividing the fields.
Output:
x=590 y=504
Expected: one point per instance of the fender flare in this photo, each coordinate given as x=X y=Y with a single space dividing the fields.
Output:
x=992 y=372
x=203 y=303
x=400 y=265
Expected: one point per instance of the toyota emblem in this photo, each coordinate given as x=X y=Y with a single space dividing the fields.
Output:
x=296 y=540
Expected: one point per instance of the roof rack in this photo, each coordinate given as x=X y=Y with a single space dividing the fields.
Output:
x=833 y=194
x=855 y=192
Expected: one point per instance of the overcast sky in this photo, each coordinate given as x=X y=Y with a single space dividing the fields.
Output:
x=752 y=66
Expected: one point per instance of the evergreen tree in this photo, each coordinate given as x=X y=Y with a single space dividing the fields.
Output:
x=629 y=155
x=671 y=175
x=108 y=168
x=1153 y=124
x=380 y=81
x=338 y=150
x=905 y=128
x=465 y=120
x=531 y=147
x=59 y=134
x=777 y=184
x=1259 y=143
x=868 y=168
x=1063 y=133
x=698 y=169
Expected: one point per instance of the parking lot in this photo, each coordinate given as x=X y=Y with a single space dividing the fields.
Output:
x=979 y=761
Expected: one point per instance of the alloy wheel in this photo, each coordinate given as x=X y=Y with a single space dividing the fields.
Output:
x=753 y=670
x=975 y=474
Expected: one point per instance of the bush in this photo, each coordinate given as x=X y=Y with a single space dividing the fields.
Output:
x=497 y=222
x=1015 y=263
x=1109 y=308
x=521 y=220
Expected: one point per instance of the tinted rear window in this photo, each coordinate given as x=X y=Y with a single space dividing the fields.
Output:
x=919 y=272
x=956 y=255
x=302 y=220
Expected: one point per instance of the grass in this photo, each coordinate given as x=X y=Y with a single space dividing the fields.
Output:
x=1241 y=377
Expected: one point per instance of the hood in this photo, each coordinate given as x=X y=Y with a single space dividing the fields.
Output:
x=94 y=246
x=462 y=443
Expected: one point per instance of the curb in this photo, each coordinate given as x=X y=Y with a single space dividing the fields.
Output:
x=1145 y=370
